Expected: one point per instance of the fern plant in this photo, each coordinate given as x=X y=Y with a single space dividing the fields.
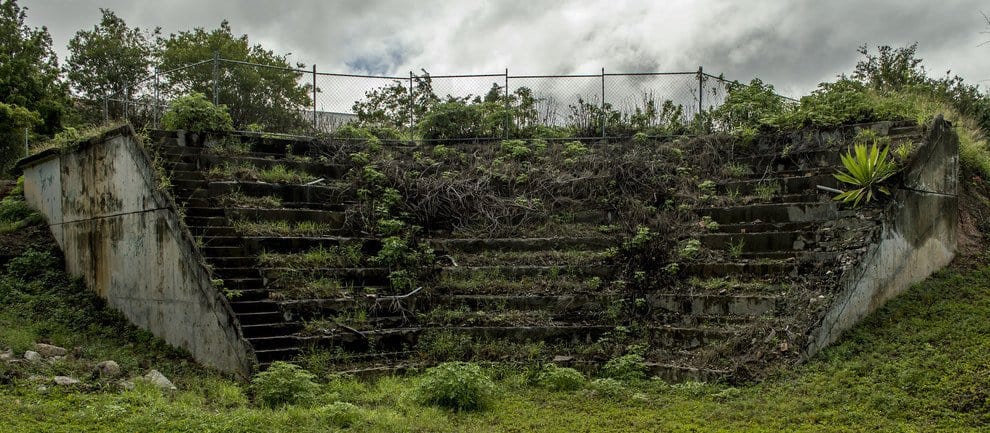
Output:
x=867 y=166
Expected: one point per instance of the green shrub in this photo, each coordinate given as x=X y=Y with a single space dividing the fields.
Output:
x=560 y=378
x=867 y=166
x=608 y=388
x=351 y=132
x=629 y=367
x=516 y=149
x=195 y=113
x=460 y=386
x=341 y=414
x=452 y=120
x=284 y=384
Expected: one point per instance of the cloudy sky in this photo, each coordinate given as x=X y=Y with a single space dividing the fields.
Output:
x=791 y=44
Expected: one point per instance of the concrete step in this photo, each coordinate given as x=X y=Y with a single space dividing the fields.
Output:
x=519 y=271
x=773 y=213
x=713 y=305
x=267 y=356
x=291 y=244
x=265 y=306
x=469 y=245
x=227 y=262
x=761 y=268
x=214 y=251
x=212 y=221
x=275 y=329
x=287 y=193
x=335 y=219
x=259 y=317
x=212 y=231
x=781 y=185
x=760 y=242
x=328 y=171
x=204 y=211
x=182 y=175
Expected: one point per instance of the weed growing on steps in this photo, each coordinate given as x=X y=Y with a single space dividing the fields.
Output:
x=338 y=256
x=283 y=228
x=245 y=171
x=237 y=198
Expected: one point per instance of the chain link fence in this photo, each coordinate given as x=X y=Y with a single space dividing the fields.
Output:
x=308 y=102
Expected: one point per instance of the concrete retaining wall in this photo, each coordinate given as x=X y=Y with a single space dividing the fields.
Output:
x=918 y=237
x=121 y=233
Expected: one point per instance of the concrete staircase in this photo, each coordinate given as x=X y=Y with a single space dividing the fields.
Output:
x=777 y=248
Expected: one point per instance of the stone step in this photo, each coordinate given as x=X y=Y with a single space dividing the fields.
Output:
x=519 y=271
x=276 y=329
x=347 y=276
x=259 y=317
x=213 y=221
x=183 y=175
x=204 y=211
x=215 y=251
x=674 y=338
x=320 y=170
x=212 y=231
x=237 y=273
x=469 y=245
x=762 y=268
x=244 y=283
x=277 y=342
x=291 y=244
x=781 y=185
x=335 y=219
x=261 y=306
x=760 y=242
x=713 y=305
x=231 y=261
x=187 y=185
x=267 y=356
x=783 y=212
x=287 y=193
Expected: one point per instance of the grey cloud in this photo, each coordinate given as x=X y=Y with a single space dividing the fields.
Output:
x=791 y=44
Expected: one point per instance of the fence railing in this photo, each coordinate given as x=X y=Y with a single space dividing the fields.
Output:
x=293 y=100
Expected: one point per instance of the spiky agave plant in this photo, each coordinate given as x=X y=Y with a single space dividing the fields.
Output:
x=867 y=166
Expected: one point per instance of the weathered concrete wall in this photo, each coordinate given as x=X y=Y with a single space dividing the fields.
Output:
x=121 y=233
x=919 y=236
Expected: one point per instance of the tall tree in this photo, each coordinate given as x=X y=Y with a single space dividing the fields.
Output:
x=269 y=95
x=110 y=59
x=29 y=74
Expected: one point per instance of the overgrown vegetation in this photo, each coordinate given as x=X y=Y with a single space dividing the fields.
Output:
x=194 y=113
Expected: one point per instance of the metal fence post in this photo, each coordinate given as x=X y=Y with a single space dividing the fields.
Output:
x=314 y=96
x=216 y=76
x=106 y=109
x=157 y=101
x=701 y=89
x=27 y=148
x=127 y=105
x=603 y=103
x=508 y=119
x=410 y=108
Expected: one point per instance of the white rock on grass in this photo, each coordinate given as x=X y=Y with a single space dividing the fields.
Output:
x=108 y=369
x=7 y=355
x=66 y=381
x=159 y=380
x=49 y=351
x=32 y=356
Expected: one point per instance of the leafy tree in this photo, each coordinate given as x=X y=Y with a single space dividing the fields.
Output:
x=270 y=96
x=13 y=121
x=391 y=106
x=110 y=59
x=29 y=74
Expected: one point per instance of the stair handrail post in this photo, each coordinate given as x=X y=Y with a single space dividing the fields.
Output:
x=216 y=77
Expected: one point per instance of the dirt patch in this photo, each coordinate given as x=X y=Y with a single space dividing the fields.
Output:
x=974 y=220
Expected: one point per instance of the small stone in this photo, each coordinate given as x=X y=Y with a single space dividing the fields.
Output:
x=66 y=381
x=49 y=351
x=126 y=385
x=32 y=356
x=159 y=380
x=562 y=359
x=108 y=369
x=42 y=388
x=798 y=245
x=7 y=355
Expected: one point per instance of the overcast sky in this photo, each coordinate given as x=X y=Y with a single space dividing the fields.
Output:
x=791 y=44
